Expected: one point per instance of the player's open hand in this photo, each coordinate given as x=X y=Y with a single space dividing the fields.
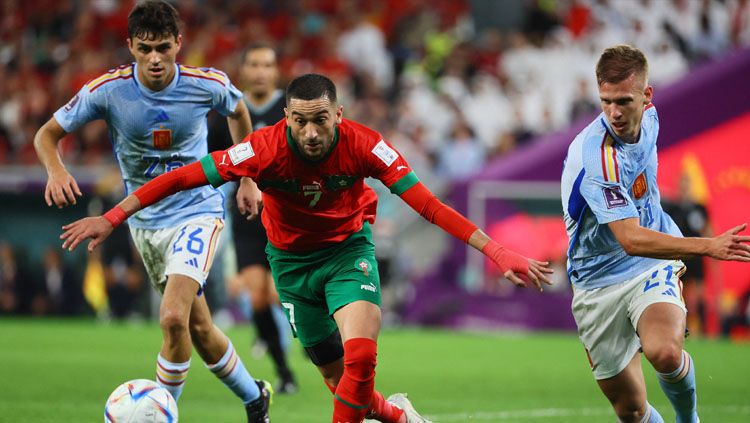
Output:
x=731 y=246
x=61 y=189
x=517 y=268
x=535 y=271
x=97 y=228
x=249 y=198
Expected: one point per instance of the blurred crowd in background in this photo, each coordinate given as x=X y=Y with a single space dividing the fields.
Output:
x=451 y=83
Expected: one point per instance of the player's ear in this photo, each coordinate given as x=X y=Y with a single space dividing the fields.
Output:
x=648 y=94
x=178 y=42
x=339 y=114
x=286 y=113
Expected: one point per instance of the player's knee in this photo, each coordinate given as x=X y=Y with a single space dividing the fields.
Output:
x=665 y=358
x=259 y=302
x=360 y=358
x=172 y=321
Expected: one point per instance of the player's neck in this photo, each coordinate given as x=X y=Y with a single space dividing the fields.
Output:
x=632 y=140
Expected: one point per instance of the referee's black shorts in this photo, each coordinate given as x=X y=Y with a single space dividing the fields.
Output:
x=250 y=240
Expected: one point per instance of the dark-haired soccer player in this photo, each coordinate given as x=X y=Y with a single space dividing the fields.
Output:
x=624 y=255
x=317 y=211
x=156 y=111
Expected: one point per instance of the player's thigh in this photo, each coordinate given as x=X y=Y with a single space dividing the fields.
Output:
x=605 y=329
x=658 y=312
x=177 y=300
x=351 y=276
x=309 y=320
x=299 y=286
x=187 y=249
x=662 y=332
x=358 y=319
x=192 y=248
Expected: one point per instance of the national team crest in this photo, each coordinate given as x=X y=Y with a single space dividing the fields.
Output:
x=162 y=138
x=640 y=186
x=364 y=265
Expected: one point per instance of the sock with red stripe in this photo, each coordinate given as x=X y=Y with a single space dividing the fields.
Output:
x=679 y=387
x=354 y=392
x=171 y=376
x=232 y=373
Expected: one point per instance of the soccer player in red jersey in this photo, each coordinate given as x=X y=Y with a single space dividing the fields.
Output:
x=317 y=212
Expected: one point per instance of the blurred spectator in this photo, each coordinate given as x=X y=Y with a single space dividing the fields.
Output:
x=17 y=289
x=62 y=292
x=709 y=42
x=463 y=156
x=582 y=104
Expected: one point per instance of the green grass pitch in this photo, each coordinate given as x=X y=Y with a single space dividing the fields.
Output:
x=63 y=371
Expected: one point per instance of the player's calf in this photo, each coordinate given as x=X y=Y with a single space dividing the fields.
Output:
x=679 y=387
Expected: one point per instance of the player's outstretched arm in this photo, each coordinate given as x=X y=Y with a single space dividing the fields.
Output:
x=639 y=241
x=98 y=228
x=62 y=188
x=514 y=266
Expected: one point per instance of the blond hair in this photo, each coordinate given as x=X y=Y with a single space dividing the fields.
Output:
x=617 y=63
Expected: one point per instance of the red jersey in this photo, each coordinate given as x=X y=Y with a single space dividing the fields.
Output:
x=310 y=205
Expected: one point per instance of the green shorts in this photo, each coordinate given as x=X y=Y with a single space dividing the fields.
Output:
x=313 y=285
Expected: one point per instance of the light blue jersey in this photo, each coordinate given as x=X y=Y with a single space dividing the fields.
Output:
x=605 y=179
x=153 y=132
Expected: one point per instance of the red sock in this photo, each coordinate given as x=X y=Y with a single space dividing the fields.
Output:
x=351 y=402
x=383 y=410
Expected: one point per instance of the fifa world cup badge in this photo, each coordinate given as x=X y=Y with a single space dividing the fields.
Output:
x=162 y=138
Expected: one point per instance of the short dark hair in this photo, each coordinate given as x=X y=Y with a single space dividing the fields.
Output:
x=617 y=63
x=311 y=86
x=152 y=19
x=258 y=46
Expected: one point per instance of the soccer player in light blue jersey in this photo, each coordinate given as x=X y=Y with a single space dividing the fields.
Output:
x=156 y=112
x=624 y=252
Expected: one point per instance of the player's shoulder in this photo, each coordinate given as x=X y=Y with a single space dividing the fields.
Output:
x=270 y=137
x=205 y=77
x=355 y=130
x=110 y=79
x=650 y=116
x=590 y=138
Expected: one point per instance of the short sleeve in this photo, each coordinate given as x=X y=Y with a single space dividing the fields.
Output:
x=602 y=188
x=390 y=167
x=238 y=161
x=225 y=96
x=85 y=106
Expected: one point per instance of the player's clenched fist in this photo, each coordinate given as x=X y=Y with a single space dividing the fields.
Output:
x=97 y=228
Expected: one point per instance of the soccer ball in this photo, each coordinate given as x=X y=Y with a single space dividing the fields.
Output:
x=140 y=401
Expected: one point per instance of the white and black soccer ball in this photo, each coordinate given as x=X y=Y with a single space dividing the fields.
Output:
x=140 y=401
